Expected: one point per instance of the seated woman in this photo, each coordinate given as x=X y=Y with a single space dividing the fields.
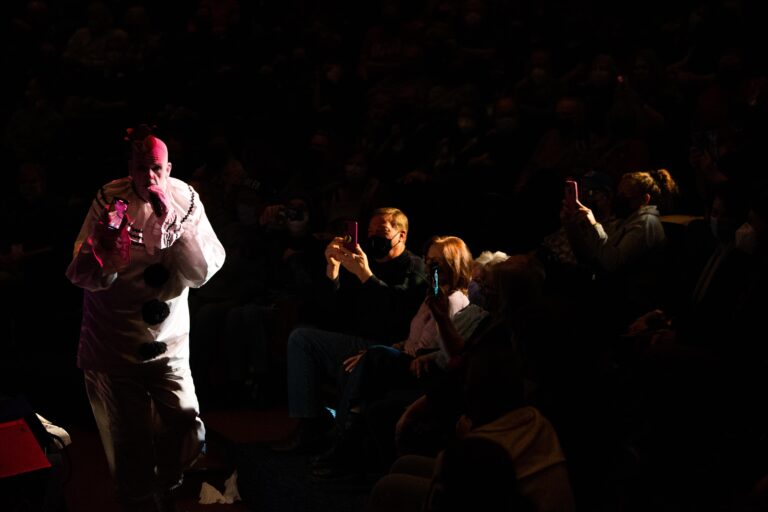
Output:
x=628 y=257
x=511 y=287
x=380 y=369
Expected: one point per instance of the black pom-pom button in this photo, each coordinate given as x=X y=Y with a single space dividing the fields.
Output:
x=154 y=311
x=151 y=350
x=156 y=275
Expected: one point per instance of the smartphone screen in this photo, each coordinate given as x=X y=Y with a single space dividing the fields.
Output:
x=571 y=192
x=435 y=277
x=350 y=235
x=117 y=211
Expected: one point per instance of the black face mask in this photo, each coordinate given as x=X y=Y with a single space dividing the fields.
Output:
x=378 y=246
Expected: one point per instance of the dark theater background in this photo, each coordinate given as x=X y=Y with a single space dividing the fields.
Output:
x=467 y=115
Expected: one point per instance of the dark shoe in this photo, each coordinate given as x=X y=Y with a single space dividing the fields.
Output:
x=312 y=434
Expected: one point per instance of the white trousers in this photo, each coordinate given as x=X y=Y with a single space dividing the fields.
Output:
x=149 y=425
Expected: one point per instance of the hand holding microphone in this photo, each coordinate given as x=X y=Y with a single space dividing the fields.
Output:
x=161 y=207
x=159 y=202
x=165 y=230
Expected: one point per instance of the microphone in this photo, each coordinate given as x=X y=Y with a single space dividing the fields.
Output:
x=157 y=205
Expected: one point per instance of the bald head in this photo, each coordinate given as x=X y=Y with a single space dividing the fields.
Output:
x=149 y=165
x=151 y=147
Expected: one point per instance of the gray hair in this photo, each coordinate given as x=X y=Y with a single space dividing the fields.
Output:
x=489 y=259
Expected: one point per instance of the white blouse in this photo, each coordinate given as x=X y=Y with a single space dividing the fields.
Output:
x=424 y=332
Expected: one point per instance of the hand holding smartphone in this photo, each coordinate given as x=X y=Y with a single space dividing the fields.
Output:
x=434 y=273
x=350 y=235
x=116 y=213
x=111 y=241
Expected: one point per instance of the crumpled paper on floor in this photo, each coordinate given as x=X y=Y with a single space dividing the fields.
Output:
x=209 y=494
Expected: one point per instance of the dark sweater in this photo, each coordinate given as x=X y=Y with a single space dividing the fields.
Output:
x=382 y=308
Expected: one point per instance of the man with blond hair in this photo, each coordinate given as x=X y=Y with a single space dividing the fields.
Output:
x=376 y=293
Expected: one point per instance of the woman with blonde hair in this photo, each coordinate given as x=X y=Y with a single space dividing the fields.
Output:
x=638 y=238
x=631 y=252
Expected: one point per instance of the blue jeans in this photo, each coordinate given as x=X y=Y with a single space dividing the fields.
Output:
x=315 y=355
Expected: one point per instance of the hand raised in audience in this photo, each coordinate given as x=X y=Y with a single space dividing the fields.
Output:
x=356 y=262
x=333 y=256
x=576 y=212
x=439 y=306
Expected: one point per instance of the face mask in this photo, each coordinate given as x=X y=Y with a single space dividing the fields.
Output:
x=475 y=294
x=746 y=238
x=378 y=246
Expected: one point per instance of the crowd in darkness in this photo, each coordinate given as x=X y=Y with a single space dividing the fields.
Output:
x=289 y=117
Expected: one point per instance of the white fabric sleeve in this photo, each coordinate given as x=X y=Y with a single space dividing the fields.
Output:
x=197 y=252
x=163 y=233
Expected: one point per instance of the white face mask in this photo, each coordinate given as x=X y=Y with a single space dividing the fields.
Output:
x=746 y=238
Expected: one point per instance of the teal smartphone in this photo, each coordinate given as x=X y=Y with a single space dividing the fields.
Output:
x=434 y=271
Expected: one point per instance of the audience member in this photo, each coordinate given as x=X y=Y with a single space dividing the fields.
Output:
x=513 y=285
x=596 y=192
x=376 y=300
x=629 y=257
